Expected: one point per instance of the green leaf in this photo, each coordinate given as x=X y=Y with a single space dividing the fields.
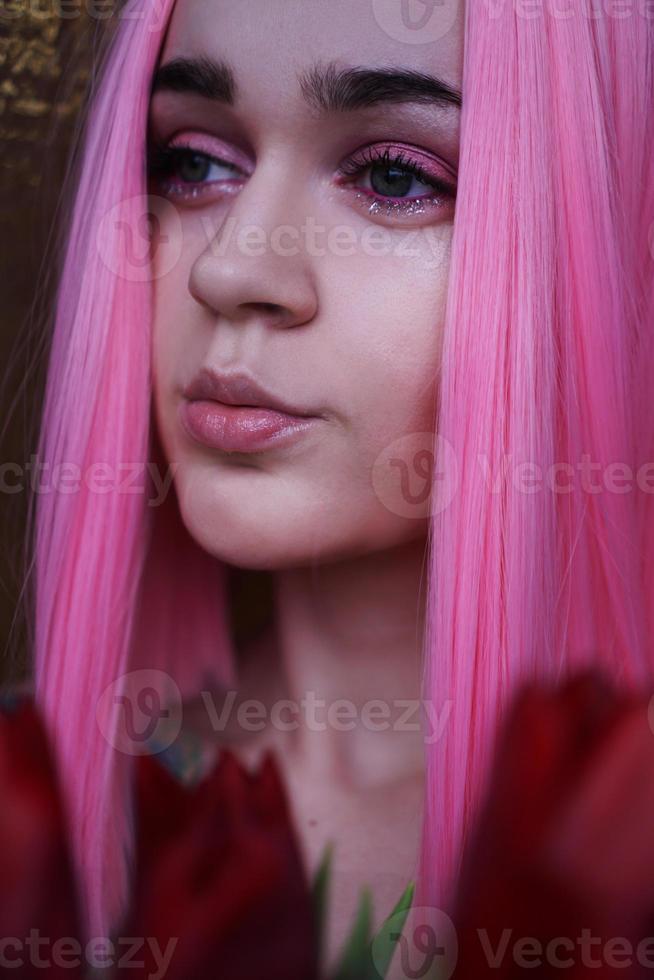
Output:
x=355 y=962
x=319 y=896
x=390 y=931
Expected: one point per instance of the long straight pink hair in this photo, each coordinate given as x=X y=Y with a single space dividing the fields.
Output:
x=547 y=357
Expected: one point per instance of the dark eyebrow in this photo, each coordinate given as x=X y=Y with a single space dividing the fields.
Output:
x=325 y=88
x=330 y=89
x=201 y=76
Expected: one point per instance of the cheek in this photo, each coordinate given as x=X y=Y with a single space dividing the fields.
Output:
x=382 y=352
x=395 y=411
x=388 y=337
x=165 y=354
x=176 y=350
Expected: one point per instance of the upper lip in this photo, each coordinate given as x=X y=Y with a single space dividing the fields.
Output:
x=237 y=388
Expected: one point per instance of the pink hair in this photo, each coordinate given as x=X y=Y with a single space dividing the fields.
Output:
x=547 y=356
x=119 y=585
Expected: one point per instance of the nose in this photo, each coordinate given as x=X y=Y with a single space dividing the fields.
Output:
x=256 y=266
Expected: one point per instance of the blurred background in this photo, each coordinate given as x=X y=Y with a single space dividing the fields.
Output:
x=46 y=49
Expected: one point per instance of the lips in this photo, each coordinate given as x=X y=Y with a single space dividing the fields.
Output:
x=237 y=389
x=234 y=413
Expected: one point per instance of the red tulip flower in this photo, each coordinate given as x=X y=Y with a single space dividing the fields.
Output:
x=39 y=912
x=219 y=874
x=558 y=878
x=218 y=886
x=558 y=873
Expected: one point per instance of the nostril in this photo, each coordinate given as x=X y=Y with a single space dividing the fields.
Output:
x=274 y=313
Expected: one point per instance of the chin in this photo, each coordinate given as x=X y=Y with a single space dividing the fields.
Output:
x=252 y=529
x=269 y=527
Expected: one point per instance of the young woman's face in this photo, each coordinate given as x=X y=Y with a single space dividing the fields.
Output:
x=309 y=220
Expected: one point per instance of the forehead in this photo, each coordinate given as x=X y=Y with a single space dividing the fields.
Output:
x=270 y=42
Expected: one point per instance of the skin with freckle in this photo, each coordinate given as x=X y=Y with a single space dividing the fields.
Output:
x=339 y=313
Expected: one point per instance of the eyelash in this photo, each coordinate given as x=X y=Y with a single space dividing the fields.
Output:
x=397 y=159
x=162 y=160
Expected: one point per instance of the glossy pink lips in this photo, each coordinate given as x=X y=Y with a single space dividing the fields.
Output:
x=240 y=428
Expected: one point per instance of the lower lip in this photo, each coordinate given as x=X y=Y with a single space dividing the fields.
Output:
x=240 y=428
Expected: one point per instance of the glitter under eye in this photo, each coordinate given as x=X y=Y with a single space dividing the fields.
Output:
x=397 y=159
x=407 y=207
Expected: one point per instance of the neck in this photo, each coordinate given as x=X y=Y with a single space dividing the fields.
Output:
x=349 y=639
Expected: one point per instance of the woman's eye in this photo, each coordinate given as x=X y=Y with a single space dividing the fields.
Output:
x=182 y=171
x=393 y=182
